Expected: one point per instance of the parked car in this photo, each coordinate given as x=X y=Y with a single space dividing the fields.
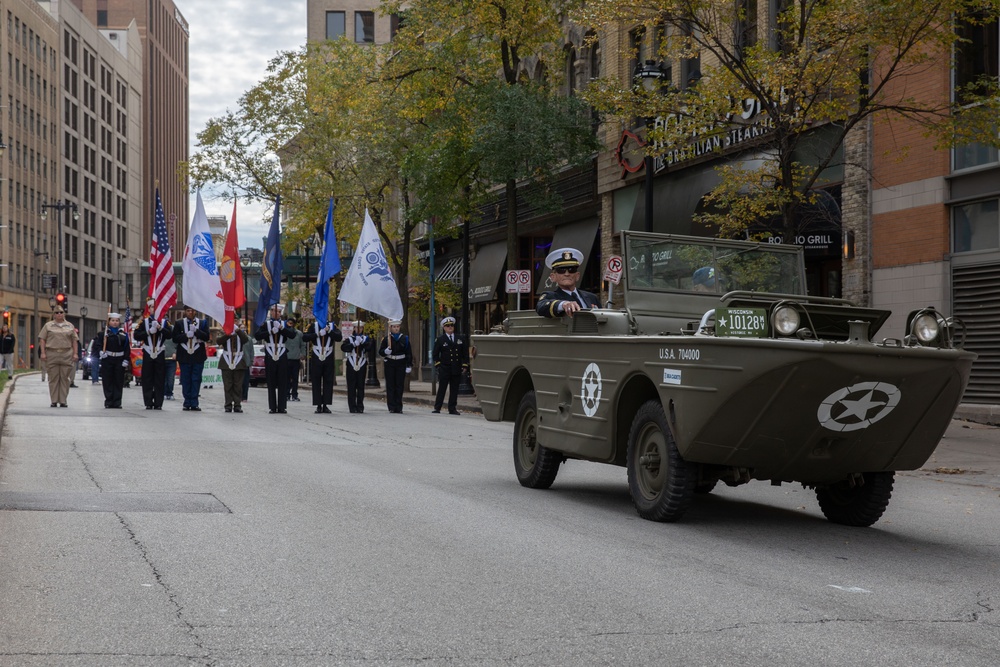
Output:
x=90 y=364
x=257 y=369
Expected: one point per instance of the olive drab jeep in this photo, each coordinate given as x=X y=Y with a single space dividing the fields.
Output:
x=716 y=366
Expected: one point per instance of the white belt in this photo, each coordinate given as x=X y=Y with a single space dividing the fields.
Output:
x=395 y=357
x=114 y=354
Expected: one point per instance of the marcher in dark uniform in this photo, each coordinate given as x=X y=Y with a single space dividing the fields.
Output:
x=356 y=348
x=152 y=334
x=115 y=360
x=450 y=357
x=272 y=333
x=233 y=366
x=322 y=366
x=566 y=299
x=191 y=336
x=398 y=357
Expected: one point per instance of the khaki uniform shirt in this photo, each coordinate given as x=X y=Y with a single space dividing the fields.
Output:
x=58 y=336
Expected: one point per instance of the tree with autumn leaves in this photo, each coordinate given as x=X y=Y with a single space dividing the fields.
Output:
x=815 y=64
x=425 y=128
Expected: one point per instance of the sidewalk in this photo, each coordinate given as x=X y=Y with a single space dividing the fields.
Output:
x=419 y=395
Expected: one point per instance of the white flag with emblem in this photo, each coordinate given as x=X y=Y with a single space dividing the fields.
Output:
x=369 y=282
x=202 y=289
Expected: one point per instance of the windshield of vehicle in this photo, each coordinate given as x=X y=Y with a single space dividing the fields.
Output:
x=678 y=265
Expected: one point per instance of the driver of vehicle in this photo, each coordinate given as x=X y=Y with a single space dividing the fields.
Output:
x=566 y=299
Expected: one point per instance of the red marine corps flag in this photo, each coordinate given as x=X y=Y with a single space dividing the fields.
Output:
x=231 y=276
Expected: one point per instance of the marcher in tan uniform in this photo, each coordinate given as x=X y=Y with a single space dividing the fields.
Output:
x=58 y=344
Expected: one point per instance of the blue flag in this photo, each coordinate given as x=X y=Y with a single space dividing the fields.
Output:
x=329 y=266
x=270 y=269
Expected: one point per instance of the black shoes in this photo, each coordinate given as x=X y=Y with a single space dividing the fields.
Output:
x=319 y=409
x=282 y=412
x=436 y=411
x=454 y=412
x=54 y=405
x=327 y=410
x=237 y=408
x=149 y=407
x=228 y=409
x=194 y=408
x=63 y=405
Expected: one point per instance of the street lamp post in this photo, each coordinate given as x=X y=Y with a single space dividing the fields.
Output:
x=465 y=387
x=34 y=283
x=650 y=76
x=245 y=264
x=346 y=253
x=61 y=206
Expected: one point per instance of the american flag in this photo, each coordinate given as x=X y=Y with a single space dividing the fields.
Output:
x=162 y=286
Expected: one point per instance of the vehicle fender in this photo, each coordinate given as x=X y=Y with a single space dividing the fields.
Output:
x=636 y=389
x=518 y=384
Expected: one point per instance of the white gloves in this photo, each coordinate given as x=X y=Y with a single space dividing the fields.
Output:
x=276 y=326
x=408 y=369
x=125 y=363
x=154 y=326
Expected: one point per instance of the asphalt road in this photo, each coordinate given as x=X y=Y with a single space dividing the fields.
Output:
x=134 y=537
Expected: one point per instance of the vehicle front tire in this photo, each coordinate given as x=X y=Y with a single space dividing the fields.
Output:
x=660 y=482
x=859 y=506
x=536 y=466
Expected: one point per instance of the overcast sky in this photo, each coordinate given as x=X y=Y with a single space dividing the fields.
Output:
x=230 y=45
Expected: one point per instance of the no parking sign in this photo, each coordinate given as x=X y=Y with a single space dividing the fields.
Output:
x=613 y=269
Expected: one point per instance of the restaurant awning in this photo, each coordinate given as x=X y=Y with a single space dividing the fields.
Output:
x=579 y=235
x=485 y=270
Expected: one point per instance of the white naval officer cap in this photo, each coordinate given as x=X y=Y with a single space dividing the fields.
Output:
x=570 y=257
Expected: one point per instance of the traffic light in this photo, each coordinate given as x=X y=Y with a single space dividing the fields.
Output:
x=6 y=317
x=61 y=302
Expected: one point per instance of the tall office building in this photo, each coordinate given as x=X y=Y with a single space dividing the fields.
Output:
x=30 y=169
x=100 y=209
x=164 y=33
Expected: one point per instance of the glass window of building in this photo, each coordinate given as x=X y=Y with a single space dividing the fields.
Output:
x=335 y=25
x=976 y=226
x=364 y=27
x=975 y=58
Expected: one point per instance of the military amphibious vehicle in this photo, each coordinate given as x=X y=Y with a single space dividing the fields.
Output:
x=750 y=380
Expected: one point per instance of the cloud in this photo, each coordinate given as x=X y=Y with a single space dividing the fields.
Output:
x=229 y=49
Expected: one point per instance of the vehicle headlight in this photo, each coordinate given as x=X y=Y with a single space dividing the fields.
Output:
x=925 y=327
x=785 y=320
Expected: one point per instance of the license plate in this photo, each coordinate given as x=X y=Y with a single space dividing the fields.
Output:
x=741 y=322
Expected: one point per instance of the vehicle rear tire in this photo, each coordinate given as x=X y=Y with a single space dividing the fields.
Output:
x=536 y=466
x=660 y=482
x=857 y=505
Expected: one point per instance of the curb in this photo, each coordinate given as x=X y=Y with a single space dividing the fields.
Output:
x=981 y=414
